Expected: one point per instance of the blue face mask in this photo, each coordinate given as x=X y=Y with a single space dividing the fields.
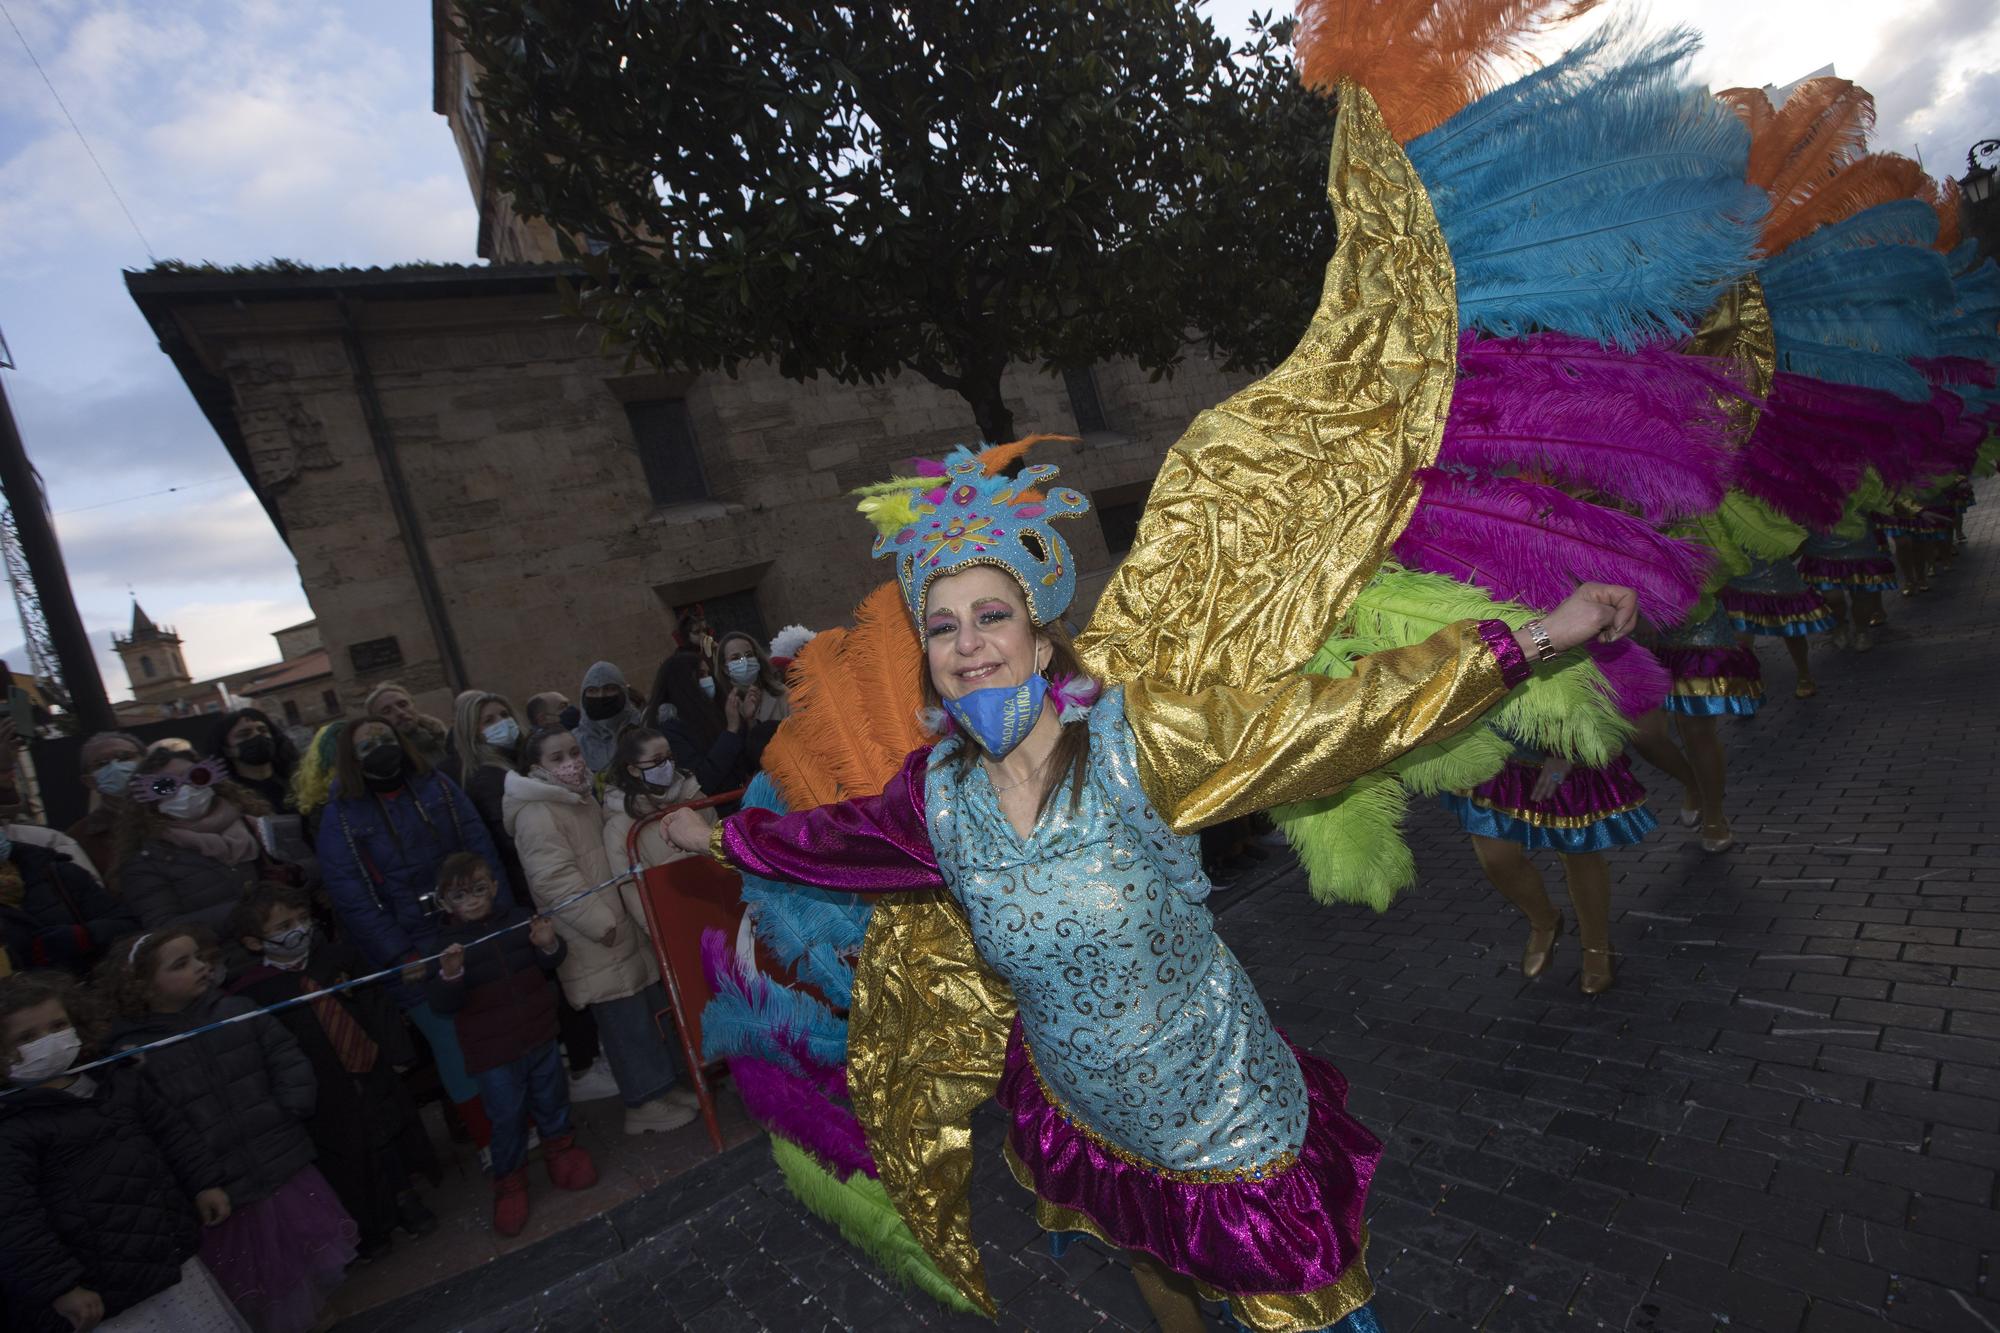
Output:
x=1001 y=716
x=502 y=734
x=113 y=778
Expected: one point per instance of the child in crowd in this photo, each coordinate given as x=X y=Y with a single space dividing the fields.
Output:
x=364 y=1124
x=248 y=1090
x=104 y=1185
x=505 y=1009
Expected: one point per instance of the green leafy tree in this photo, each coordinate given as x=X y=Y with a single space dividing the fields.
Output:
x=935 y=186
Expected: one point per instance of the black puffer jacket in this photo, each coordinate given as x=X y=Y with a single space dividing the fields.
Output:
x=64 y=919
x=247 y=1088
x=96 y=1191
x=171 y=885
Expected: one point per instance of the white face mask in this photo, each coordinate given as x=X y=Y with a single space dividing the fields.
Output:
x=660 y=775
x=503 y=733
x=743 y=670
x=45 y=1057
x=708 y=686
x=188 y=802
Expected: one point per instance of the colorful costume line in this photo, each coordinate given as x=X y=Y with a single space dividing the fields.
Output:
x=1714 y=675
x=1772 y=600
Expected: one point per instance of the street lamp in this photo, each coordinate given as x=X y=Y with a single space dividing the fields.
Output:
x=1977 y=185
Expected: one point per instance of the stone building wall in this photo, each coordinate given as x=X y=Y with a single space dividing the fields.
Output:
x=512 y=435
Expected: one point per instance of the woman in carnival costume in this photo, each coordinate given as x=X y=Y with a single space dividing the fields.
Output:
x=1152 y=1102
x=1772 y=601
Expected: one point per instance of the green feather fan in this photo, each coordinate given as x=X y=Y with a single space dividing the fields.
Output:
x=1989 y=457
x=860 y=1208
x=1351 y=843
x=1759 y=529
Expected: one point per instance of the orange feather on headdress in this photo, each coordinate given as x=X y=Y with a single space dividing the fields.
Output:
x=854 y=695
x=1822 y=126
x=1422 y=60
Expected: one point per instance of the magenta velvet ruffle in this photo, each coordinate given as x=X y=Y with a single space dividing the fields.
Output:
x=1731 y=663
x=867 y=844
x=1868 y=573
x=1294 y=1231
x=1789 y=605
x=1584 y=793
x=1514 y=664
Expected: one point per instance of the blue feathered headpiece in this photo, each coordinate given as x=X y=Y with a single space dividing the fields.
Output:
x=964 y=511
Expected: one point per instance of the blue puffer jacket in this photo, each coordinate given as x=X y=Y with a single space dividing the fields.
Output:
x=379 y=856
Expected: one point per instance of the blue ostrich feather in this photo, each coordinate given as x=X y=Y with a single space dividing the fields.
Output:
x=805 y=928
x=1602 y=196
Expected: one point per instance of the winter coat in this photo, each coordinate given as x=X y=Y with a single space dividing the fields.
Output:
x=97 y=834
x=248 y=1088
x=560 y=836
x=167 y=884
x=41 y=835
x=504 y=1006
x=379 y=858
x=98 y=1192
x=64 y=919
x=653 y=849
x=726 y=764
x=599 y=740
x=486 y=788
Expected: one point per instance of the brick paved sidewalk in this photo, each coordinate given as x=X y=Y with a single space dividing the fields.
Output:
x=1786 y=1116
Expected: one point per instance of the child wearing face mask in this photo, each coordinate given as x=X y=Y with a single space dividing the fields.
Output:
x=364 y=1125
x=107 y=1186
x=643 y=781
x=558 y=828
x=248 y=1090
x=497 y=991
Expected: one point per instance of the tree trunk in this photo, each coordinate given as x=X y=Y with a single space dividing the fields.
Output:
x=989 y=409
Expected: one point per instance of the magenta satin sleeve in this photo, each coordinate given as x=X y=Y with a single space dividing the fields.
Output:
x=872 y=844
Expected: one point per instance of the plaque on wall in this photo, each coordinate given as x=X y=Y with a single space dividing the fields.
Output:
x=375 y=655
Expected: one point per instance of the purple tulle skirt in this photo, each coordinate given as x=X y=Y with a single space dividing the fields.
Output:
x=1783 y=615
x=1713 y=682
x=1294 y=1230
x=281 y=1258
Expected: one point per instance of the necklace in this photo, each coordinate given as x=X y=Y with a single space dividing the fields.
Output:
x=1032 y=774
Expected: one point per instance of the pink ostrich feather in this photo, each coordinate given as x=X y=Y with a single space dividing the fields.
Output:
x=1530 y=543
x=1647 y=427
x=798 y=1109
x=1639 y=683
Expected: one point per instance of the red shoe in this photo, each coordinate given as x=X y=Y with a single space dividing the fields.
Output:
x=570 y=1167
x=510 y=1202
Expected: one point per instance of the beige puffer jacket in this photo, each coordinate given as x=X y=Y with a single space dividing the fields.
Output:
x=560 y=836
x=653 y=848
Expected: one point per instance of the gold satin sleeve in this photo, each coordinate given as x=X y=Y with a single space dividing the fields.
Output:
x=1278 y=505
x=1223 y=752
x=1738 y=330
x=926 y=1043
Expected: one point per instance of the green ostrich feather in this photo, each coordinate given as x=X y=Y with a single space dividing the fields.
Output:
x=1351 y=843
x=1759 y=529
x=860 y=1208
x=1989 y=457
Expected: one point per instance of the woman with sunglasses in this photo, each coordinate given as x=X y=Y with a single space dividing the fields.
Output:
x=186 y=850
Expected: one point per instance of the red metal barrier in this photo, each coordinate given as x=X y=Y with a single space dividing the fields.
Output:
x=682 y=899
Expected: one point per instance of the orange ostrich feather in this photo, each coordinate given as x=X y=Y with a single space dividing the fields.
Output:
x=1423 y=60
x=855 y=695
x=1943 y=195
x=1875 y=179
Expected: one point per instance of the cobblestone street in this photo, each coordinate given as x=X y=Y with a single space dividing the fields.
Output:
x=1786 y=1116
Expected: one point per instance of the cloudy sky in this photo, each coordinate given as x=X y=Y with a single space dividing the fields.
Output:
x=241 y=130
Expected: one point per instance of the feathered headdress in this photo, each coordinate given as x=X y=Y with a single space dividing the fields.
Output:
x=965 y=510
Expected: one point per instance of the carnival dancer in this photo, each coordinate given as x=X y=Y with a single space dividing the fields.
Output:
x=1772 y=601
x=1152 y=1103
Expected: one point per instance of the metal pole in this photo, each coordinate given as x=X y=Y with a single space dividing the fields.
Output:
x=87 y=699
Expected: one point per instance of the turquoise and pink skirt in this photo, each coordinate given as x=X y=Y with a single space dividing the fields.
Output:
x=1828 y=563
x=1931 y=524
x=1714 y=675
x=1773 y=600
x=1591 y=809
x=1282 y=1245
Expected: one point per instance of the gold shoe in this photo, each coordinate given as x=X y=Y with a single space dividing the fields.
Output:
x=1541 y=948
x=1596 y=977
x=1714 y=842
x=1805 y=689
